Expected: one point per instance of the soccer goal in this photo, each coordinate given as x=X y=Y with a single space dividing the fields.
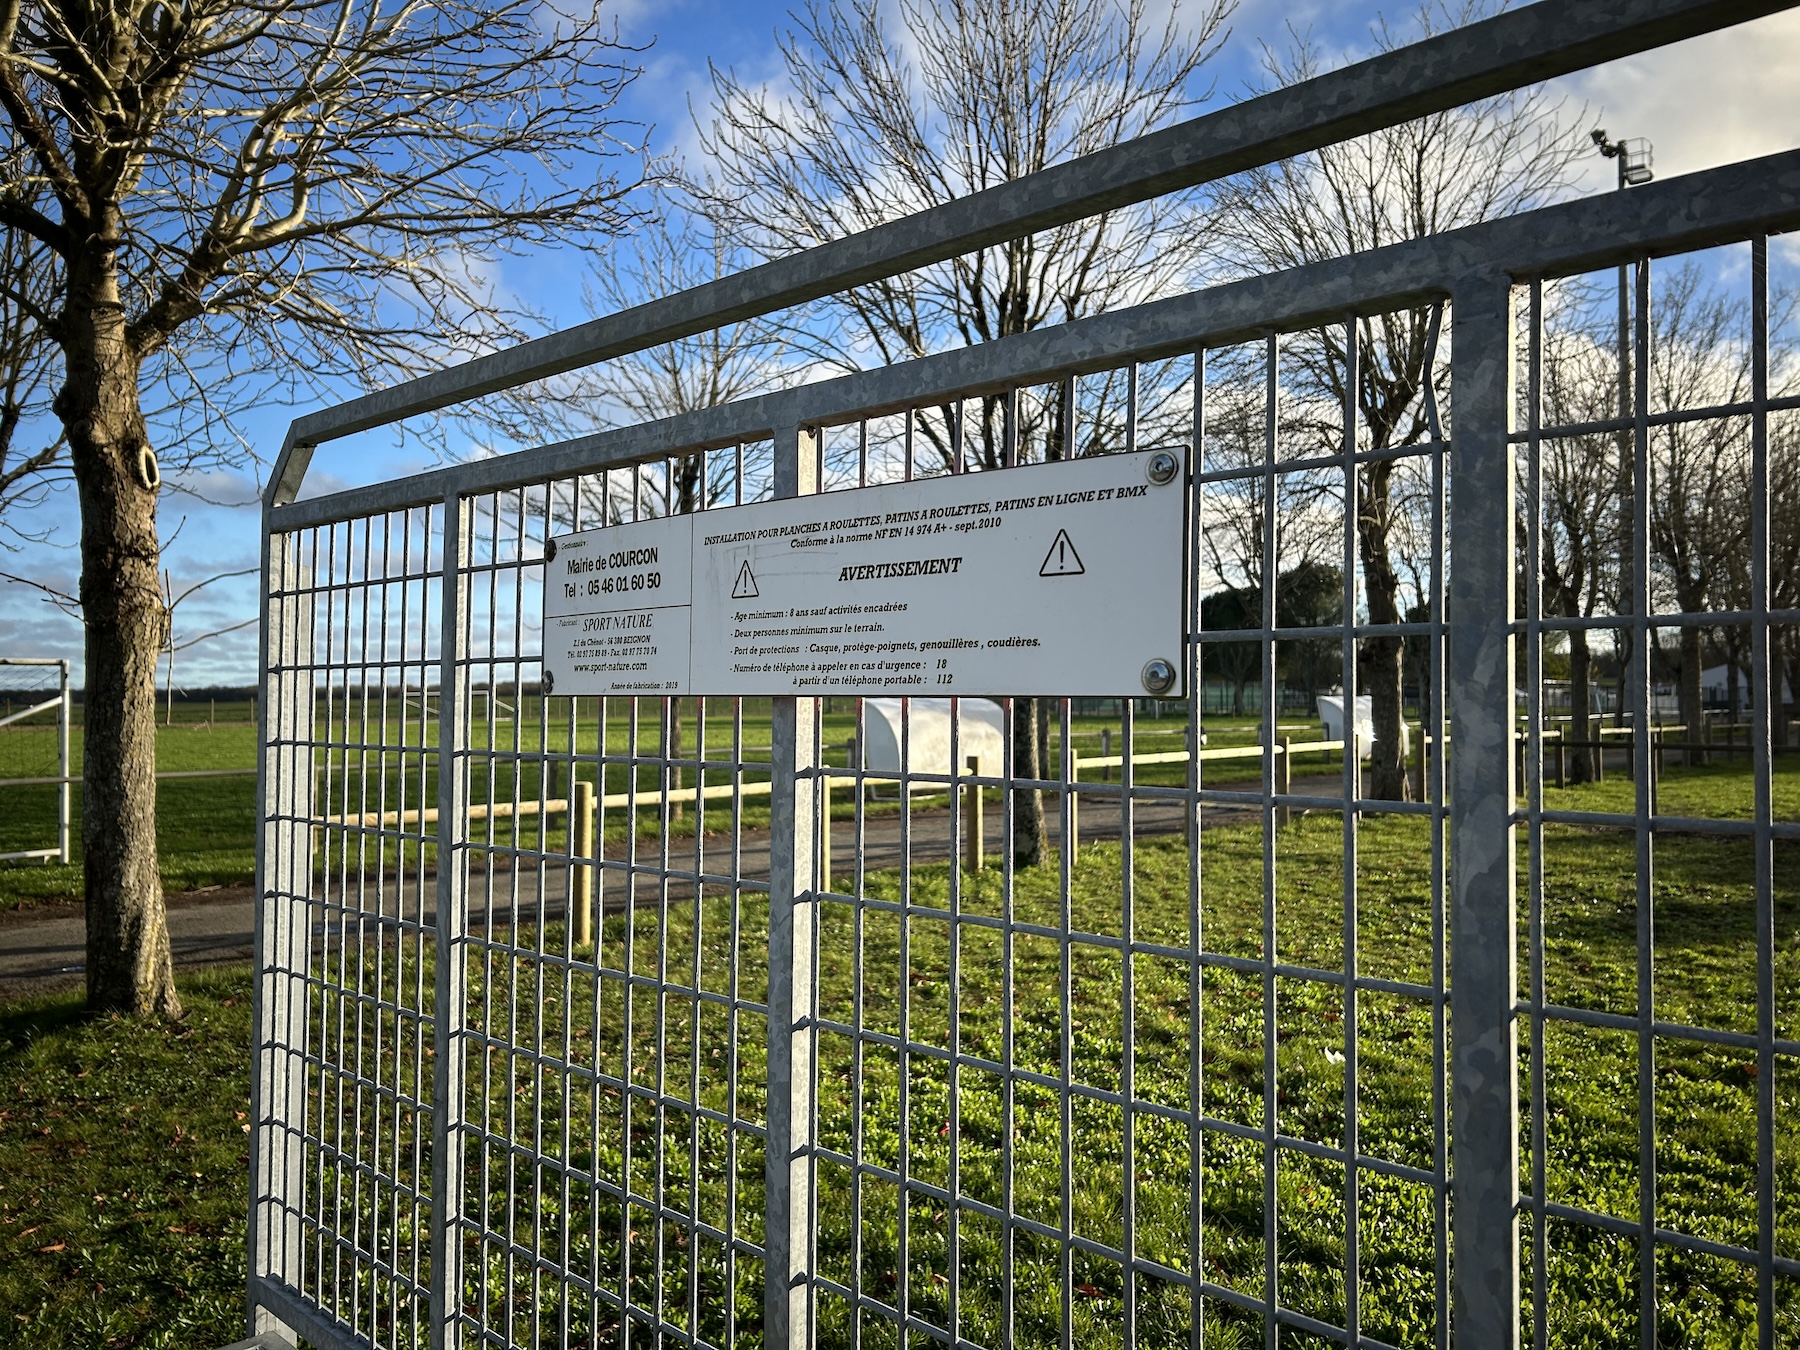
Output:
x=35 y=714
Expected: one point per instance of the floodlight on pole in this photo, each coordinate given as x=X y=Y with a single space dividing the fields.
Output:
x=1635 y=155
x=1636 y=161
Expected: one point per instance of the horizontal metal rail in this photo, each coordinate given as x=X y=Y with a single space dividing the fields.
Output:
x=1215 y=753
x=1675 y=215
x=1528 y=45
x=557 y=806
x=52 y=780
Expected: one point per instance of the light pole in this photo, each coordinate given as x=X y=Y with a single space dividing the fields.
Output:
x=1635 y=159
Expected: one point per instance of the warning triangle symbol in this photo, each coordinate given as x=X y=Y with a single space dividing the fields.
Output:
x=1062 y=560
x=744 y=588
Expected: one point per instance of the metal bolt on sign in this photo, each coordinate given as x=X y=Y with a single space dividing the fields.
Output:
x=1159 y=676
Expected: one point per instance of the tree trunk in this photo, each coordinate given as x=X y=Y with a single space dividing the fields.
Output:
x=1387 y=763
x=675 y=754
x=128 y=965
x=1581 y=724
x=1692 y=712
x=1783 y=671
x=1381 y=655
x=1028 y=803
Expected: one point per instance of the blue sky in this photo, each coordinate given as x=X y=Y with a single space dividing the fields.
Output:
x=1726 y=97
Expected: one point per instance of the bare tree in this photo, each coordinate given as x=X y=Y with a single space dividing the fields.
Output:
x=890 y=110
x=1784 y=569
x=719 y=366
x=1699 y=470
x=1579 y=541
x=174 y=642
x=311 y=188
x=1234 y=515
x=30 y=454
x=1490 y=158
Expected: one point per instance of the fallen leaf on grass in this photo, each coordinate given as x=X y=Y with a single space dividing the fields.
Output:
x=53 y=1247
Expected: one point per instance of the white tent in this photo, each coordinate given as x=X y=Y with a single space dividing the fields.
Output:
x=1331 y=713
x=981 y=731
x=1715 y=685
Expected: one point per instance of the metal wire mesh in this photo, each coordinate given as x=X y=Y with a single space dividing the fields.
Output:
x=1693 y=1036
x=346 y=1018
x=1061 y=1023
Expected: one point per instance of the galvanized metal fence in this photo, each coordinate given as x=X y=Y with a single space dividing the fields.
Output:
x=1248 y=1069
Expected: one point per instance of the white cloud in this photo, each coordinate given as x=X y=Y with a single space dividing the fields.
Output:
x=1713 y=100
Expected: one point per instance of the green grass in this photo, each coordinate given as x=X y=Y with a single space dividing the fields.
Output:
x=124 y=1178
x=1706 y=1100
x=131 y=1114
x=89 y=1294
x=206 y=828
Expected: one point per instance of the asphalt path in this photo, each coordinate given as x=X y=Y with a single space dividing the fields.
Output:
x=43 y=949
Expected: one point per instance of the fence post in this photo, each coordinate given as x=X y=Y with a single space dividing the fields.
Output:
x=1483 y=901
x=1284 y=777
x=283 y=930
x=449 y=999
x=1073 y=842
x=824 y=832
x=581 y=846
x=972 y=822
x=793 y=813
x=64 y=715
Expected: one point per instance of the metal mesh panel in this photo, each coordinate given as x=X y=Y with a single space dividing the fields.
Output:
x=612 y=1116
x=738 y=1021
x=1665 y=976
x=345 y=1022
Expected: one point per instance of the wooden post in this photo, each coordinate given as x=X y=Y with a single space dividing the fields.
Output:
x=1073 y=842
x=825 y=834
x=1105 y=754
x=1596 y=748
x=972 y=840
x=1562 y=756
x=1284 y=778
x=581 y=847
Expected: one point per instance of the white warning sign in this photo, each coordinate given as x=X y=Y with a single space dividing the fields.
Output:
x=1060 y=579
